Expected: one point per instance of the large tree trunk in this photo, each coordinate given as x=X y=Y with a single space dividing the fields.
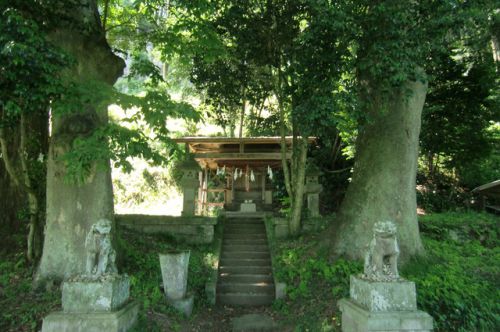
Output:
x=12 y=197
x=72 y=209
x=383 y=183
x=298 y=184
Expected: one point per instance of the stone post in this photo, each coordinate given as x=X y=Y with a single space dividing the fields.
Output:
x=174 y=270
x=190 y=184
x=312 y=190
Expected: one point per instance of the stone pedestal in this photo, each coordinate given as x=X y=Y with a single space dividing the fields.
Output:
x=99 y=304
x=184 y=305
x=357 y=319
x=382 y=306
x=119 y=321
x=248 y=207
x=95 y=295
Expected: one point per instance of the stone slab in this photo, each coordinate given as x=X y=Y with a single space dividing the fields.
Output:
x=185 y=306
x=116 y=321
x=174 y=267
x=253 y=322
x=357 y=319
x=248 y=207
x=105 y=294
x=384 y=296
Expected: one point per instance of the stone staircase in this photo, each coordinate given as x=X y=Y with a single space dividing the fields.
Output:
x=245 y=272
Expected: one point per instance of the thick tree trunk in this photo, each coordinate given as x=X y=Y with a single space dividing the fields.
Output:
x=298 y=183
x=12 y=197
x=72 y=209
x=383 y=183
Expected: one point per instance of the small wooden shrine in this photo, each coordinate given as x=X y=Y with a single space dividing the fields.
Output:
x=232 y=171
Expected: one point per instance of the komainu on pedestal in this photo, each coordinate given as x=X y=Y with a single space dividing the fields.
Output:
x=380 y=300
x=99 y=299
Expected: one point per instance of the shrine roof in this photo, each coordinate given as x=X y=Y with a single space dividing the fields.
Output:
x=213 y=152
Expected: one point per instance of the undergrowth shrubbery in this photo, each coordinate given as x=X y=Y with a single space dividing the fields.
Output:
x=458 y=280
x=313 y=283
x=140 y=260
x=21 y=309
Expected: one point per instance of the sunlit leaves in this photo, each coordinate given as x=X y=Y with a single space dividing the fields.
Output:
x=29 y=66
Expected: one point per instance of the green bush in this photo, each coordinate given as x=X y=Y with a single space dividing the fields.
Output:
x=458 y=279
x=22 y=309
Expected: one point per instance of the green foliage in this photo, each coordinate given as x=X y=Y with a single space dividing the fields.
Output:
x=457 y=281
x=139 y=259
x=20 y=308
x=462 y=103
x=298 y=269
x=314 y=283
x=441 y=194
x=29 y=66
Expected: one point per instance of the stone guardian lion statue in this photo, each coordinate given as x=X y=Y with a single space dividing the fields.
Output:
x=100 y=253
x=381 y=260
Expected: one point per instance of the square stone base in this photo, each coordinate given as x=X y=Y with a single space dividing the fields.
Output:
x=384 y=295
x=86 y=295
x=248 y=207
x=116 y=321
x=357 y=319
x=184 y=305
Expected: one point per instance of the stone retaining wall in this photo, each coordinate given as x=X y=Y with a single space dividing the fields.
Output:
x=193 y=229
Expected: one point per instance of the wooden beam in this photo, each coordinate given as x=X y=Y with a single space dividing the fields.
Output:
x=236 y=140
x=240 y=156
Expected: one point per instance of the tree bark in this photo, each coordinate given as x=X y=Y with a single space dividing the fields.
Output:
x=12 y=196
x=71 y=208
x=384 y=179
x=299 y=182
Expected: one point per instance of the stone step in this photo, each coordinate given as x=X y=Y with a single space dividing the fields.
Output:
x=254 y=322
x=258 y=227
x=261 y=241
x=244 y=224
x=245 y=231
x=243 y=235
x=245 y=221
x=245 y=262
x=225 y=271
x=245 y=247
x=245 y=299
x=249 y=288
x=233 y=254
x=246 y=278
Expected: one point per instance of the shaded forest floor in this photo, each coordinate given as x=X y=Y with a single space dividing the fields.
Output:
x=458 y=282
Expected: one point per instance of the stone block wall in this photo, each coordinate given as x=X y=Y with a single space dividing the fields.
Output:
x=191 y=229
